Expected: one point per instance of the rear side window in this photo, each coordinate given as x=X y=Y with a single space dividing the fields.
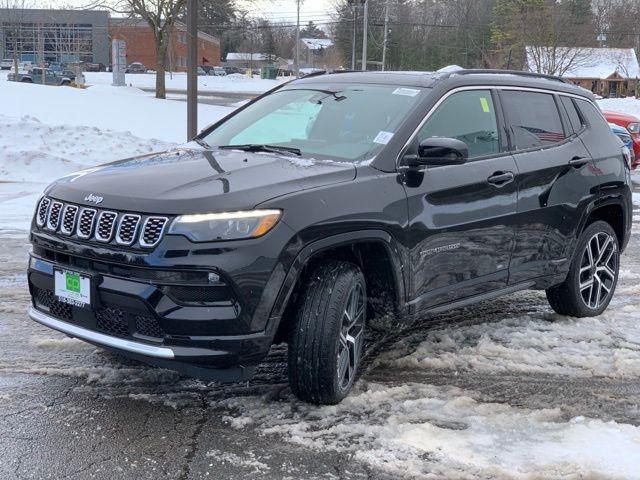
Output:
x=533 y=118
x=572 y=113
x=468 y=116
x=593 y=116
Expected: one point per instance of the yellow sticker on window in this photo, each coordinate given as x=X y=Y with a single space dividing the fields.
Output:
x=484 y=104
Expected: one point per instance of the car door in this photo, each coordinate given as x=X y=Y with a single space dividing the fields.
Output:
x=555 y=181
x=460 y=226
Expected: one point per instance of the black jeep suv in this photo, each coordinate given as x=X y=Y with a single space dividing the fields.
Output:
x=328 y=202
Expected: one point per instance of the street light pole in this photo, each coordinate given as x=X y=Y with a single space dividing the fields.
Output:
x=364 y=35
x=192 y=65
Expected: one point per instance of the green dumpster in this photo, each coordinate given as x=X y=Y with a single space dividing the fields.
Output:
x=269 y=72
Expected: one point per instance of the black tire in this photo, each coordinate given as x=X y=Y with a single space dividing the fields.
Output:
x=318 y=340
x=568 y=298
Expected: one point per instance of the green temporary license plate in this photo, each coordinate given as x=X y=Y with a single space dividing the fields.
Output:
x=72 y=287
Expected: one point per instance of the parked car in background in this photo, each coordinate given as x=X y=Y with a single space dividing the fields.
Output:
x=625 y=137
x=229 y=69
x=70 y=74
x=632 y=124
x=35 y=76
x=6 y=64
x=94 y=67
x=207 y=69
x=201 y=71
x=136 y=67
x=218 y=72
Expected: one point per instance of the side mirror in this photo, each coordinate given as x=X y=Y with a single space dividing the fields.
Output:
x=438 y=151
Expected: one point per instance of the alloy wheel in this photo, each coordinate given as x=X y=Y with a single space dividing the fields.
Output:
x=351 y=336
x=598 y=269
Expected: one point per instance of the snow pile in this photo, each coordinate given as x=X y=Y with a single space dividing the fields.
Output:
x=34 y=152
x=546 y=343
x=441 y=432
x=105 y=107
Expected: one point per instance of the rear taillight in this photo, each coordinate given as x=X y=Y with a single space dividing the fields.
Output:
x=626 y=153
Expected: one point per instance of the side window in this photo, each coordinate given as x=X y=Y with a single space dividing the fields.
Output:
x=533 y=118
x=468 y=116
x=572 y=113
x=593 y=116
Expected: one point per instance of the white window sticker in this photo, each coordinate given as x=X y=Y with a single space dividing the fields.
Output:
x=383 y=137
x=407 y=92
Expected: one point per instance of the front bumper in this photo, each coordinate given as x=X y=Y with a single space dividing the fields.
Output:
x=142 y=320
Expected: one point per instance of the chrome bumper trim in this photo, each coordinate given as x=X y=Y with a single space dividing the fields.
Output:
x=106 y=340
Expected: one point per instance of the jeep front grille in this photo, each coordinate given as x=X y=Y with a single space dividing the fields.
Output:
x=152 y=231
x=85 y=225
x=68 y=219
x=127 y=229
x=104 y=226
x=53 y=221
x=43 y=212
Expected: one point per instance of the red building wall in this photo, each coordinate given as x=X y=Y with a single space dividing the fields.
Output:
x=141 y=46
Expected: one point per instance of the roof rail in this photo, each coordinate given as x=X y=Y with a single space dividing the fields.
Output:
x=326 y=72
x=508 y=72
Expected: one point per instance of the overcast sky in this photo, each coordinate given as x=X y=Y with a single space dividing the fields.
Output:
x=316 y=10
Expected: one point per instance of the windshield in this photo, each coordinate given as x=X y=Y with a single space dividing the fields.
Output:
x=343 y=122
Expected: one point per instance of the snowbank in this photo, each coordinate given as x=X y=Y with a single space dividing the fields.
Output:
x=105 y=107
x=624 y=105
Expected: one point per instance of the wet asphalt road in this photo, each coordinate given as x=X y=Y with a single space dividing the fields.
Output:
x=70 y=410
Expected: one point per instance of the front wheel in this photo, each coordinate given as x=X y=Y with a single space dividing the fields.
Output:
x=328 y=334
x=593 y=274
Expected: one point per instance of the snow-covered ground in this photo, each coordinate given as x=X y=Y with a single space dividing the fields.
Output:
x=178 y=81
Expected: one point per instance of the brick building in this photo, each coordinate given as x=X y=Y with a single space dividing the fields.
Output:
x=141 y=45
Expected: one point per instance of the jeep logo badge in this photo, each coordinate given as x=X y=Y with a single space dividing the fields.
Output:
x=93 y=198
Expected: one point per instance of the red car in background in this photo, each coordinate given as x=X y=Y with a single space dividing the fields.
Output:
x=632 y=124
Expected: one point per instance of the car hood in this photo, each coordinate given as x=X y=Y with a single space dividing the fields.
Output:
x=196 y=180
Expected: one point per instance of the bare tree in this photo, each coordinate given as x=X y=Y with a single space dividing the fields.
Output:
x=555 y=59
x=11 y=23
x=161 y=16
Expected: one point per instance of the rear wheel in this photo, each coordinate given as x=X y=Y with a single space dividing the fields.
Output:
x=328 y=334
x=593 y=275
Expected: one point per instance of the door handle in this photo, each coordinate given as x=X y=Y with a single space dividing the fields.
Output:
x=578 y=162
x=501 y=178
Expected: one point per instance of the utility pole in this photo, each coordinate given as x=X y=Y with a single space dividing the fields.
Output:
x=364 y=34
x=386 y=35
x=296 y=65
x=192 y=74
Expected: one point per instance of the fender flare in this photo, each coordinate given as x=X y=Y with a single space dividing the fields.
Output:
x=618 y=200
x=309 y=251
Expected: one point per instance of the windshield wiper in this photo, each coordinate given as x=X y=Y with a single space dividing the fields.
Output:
x=201 y=142
x=256 y=147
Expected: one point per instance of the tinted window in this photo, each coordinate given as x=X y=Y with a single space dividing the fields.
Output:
x=467 y=116
x=533 y=117
x=593 y=116
x=574 y=117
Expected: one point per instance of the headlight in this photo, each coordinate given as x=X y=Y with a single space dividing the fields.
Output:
x=205 y=227
x=633 y=127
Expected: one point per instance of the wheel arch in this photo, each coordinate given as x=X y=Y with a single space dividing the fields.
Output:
x=612 y=211
x=374 y=251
